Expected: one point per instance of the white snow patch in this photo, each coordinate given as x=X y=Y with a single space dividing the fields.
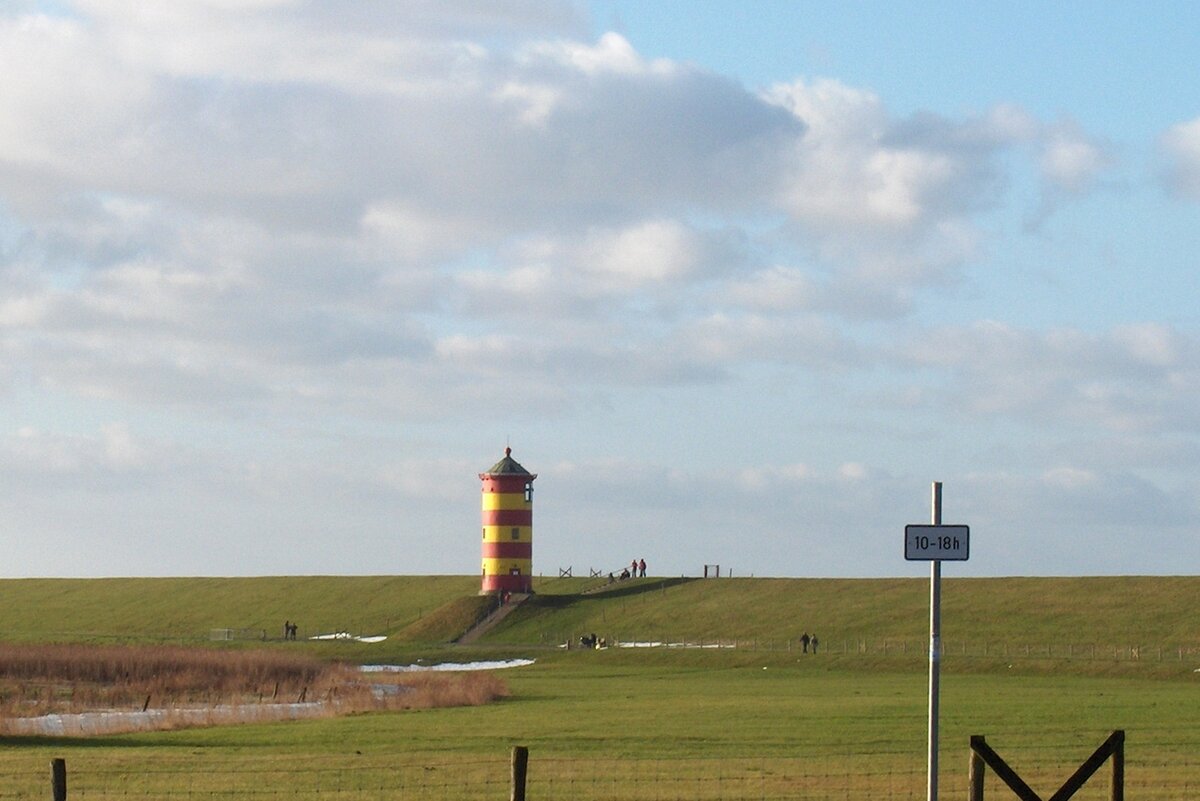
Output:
x=119 y=721
x=448 y=666
x=673 y=645
x=345 y=635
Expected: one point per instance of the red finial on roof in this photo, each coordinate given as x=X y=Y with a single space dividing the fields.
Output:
x=508 y=451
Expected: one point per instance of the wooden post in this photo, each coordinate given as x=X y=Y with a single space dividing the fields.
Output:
x=982 y=755
x=520 y=762
x=58 y=779
x=1117 y=791
x=975 y=774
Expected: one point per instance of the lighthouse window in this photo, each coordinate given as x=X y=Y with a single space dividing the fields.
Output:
x=528 y=492
x=516 y=571
x=516 y=533
x=485 y=533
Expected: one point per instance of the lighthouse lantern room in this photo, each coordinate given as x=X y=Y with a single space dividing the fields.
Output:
x=507 y=527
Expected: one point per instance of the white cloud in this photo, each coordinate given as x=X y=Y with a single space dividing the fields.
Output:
x=886 y=202
x=611 y=54
x=652 y=252
x=1070 y=161
x=96 y=460
x=778 y=288
x=1182 y=145
x=1128 y=379
x=852 y=471
x=1152 y=344
x=260 y=226
x=731 y=341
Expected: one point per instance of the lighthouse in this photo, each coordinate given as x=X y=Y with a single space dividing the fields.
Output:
x=507 y=527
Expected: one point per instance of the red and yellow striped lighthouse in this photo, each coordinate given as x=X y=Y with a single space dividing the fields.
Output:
x=507 y=527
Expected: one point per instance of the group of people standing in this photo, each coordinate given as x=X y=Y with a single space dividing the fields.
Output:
x=289 y=630
x=637 y=568
x=806 y=640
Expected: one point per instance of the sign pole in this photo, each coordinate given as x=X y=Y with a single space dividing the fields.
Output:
x=935 y=646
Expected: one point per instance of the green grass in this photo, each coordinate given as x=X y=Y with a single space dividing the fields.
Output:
x=1149 y=611
x=682 y=716
x=1125 y=611
x=735 y=723
x=187 y=609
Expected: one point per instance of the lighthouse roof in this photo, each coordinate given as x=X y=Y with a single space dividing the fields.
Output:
x=507 y=466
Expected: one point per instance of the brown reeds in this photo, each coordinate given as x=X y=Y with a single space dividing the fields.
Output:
x=175 y=686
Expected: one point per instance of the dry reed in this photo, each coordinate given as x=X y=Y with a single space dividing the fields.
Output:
x=173 y=687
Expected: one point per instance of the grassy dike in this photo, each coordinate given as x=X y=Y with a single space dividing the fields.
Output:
x=678 y=716
x=1125 y=610
x=1146 y=611
x=188 y=609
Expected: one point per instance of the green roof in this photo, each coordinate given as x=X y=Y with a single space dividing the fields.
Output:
x=507 y=466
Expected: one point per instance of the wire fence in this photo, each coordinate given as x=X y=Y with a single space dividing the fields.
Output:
x=893 y=647
x=874 y=775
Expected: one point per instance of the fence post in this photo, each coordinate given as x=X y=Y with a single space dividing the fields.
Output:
x=1117 y=790
x=975 y=775
x=58 y=779
x=520 y=762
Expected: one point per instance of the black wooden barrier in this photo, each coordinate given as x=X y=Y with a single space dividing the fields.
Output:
x=982 y=755
x=58 y=779
x=520 y=764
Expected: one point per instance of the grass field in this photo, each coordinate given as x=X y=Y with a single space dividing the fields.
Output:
x=658 y=724
x=188 y=609
x=1147 y=611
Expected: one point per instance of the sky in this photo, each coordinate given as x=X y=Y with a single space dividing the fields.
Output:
x=737 y=280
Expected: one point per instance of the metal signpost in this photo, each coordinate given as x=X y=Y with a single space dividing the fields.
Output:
x=935 y=543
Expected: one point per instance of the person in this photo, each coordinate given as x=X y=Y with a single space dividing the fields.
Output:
x=642 y=567
x=814 y=643
x=633 y=568
x=287 y=629
x=292 y=633
x=804 y=641
x=624 y=574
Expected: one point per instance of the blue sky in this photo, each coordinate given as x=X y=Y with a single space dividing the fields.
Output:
x=737 y=280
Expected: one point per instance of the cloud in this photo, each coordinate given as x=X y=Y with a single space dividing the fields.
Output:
x=414 y=48
x=111 y=457
x=1181 y=144
x=611 y=54
x=1070 y=161
x=803 y=519
x=885 y=201
x=254 y=256
x=779 y=288
x=653 y=264
x=1127 y=379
